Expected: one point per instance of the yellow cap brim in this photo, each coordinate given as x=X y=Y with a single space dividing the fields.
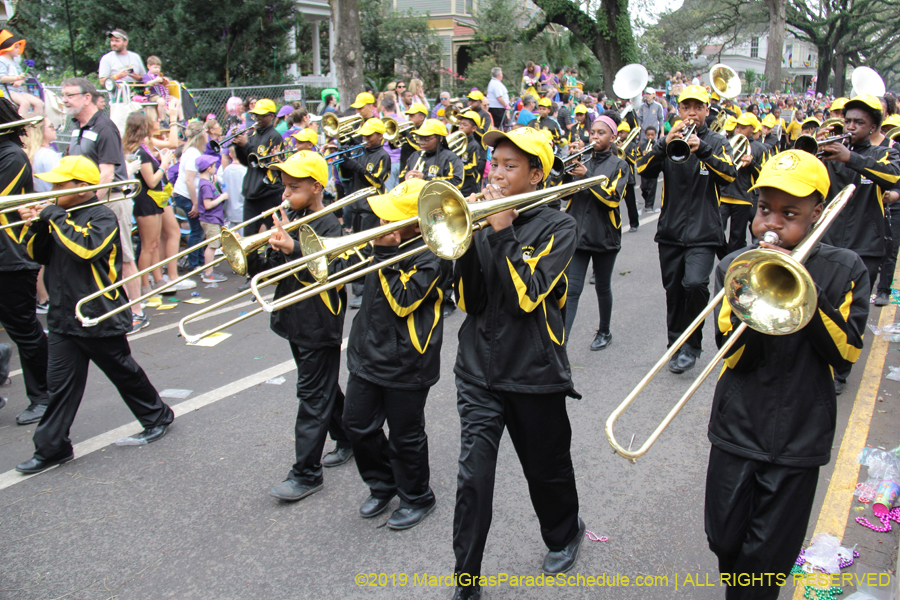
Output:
x=693 y=96
x=493 y=137
x=299 y=171
x=51 y=177
x=785 y=183
x=357 y=105
x=384 y=208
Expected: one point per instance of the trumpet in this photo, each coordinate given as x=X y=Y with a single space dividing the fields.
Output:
x=649 y=146
x=13 y=203
x=256 y=161
x=336 y=158
x=571 y=161
x=679 y=151
x=341 y=128
x=768 y=290
x=808 y=143
x=216 y=145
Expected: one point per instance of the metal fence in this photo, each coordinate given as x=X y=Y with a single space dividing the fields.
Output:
x=212 y=100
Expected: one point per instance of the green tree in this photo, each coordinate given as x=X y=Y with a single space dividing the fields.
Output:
x=393 y=41
x=247 y=45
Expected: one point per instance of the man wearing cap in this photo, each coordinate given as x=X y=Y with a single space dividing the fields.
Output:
x=81 y=253
x=262 y=187
x=410 y=142
x=393 y=359
x=689 y=228
x=874 y=170
x=650 y=114
x=475 y=104
x=120 y=63
x=371 y=169
x=475 y=159
x=365 y=106
x=737 y=201
x=548 y=123
x=305 y=139
x=510 y=285
x=714 y=109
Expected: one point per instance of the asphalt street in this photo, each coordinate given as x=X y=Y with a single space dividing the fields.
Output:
x=189 y=517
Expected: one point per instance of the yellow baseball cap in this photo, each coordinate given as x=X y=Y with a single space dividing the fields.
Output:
x=730 y=123
x=473 y=116
x=748 y=118
x=714 y=96
x=475 y=95
x=73 y=168
x=810 y=121
x=416 y=108
x=545 y=102
x=891 y=121
x=581 y=109
x=264 y=107
x=305 y=163
x=431 y=127
x=769 y=121
x=400 y=203
x=623 y=126
x=838 y=103
x=363 y=99
x=796 y=172
x=529 y=140
x=372 y=126
x=306 y=135
x=694 y=92
x=863 y=100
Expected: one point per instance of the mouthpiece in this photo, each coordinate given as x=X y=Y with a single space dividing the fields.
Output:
x=770 y=237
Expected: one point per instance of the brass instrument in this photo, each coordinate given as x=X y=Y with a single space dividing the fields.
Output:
x=216 y=146
x=339 y=156
x=768 y=290
x=394 y=130
x=341 y=128
x=740 y=146
x=649 y=146
x=630 y=82
x=835 y=124
x=721 y=119
x=13 y=203
x=679 y=151
x=808 y=143
x=256 y=161
x=622 y=147
x=458 y=142
x=92 y=321
x=451 y=113
x=866 y=80
x=893 y=133
x=570 y=162
x=725 y=81
x=22 y=123
x=400 y=137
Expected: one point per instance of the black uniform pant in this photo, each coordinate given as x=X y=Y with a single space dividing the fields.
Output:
x=447 y=281
x=604 y=263
x=631 y=205
x=67 y=370
x=886 y=273
x=17 y=303
x=363 y=220
x=873 y=265
x=685 y=276
x=736 y=228
x=395 y=465
x=540 y=432
x=499 y=117
x=254 y=208
x=319 y=412
x=648 y=191
x=756 y=517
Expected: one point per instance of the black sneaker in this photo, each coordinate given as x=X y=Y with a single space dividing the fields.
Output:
x=41 y=308
x=139 y=322
x=882 y=299
x=838 y=387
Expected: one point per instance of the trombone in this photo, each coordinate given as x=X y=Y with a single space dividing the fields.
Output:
x=22 y=123
x=216 y=145
x=740 y=146
x=768 y=290
x=256 y=161
x=341 y=128
x=13 y=203
x=448 y=224
x=457 y=142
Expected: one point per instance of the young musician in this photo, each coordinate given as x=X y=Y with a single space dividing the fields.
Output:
x=596 y=211
x=391 y=380
x=736 y=198
x=581 y=130
x=769 y=137
x=771 y=428
x=648 y=184
x=874 y=170
x=476 y=99
x=689 y=228
x=510 y=284
x=632 y=153
x=314 y=329
x=546 y=122
x=19 y=274
x=476 y=157
x=81 y=253
x=417 y=114
x=434 y=160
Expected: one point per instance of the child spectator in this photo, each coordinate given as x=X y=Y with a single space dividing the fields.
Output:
x=157 y=90
x=212 y=213
x=233 y=184
x=11 y=79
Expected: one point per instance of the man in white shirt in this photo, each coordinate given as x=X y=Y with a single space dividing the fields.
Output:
x=695 y=80
x=120 y=64
x=497 y=97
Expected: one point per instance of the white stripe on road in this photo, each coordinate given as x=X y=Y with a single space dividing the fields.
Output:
x=11 y=478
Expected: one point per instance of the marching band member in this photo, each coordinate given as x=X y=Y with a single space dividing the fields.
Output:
x=769 y=137
x=434 y=160
x=548 y=123
x=391 y=381
x=767 y=441
x=81 y=253
x=305 y=139
x=648 y=184
x=886 y=272
x=476 y=157
x=19 y=275
x=809 y=126
x=581 y=130
x=475 y=99
x=510 y=284
x=417 y=114
x=632 y=153
x=314 y=329
x=874 y=169
x=599 y=237
x=689 y=229
x=736 y=199
x=365 y=106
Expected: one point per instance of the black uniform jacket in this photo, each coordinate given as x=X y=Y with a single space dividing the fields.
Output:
x=261 y=182
x=473 y=165
x=82 y=254
x=550 y=124
x=581 y=131
x=596 y=209
x=512 y=286
x=408 y=147
x=396 y=336
x=775 y=400
x=861 y=226
x=440 y=164
x=371 y=169
x=316 y=322
x=486 y=121
x=771 y=142
x=690 y=193
x=632 y=155
x=738 y=191
x=15 y=178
